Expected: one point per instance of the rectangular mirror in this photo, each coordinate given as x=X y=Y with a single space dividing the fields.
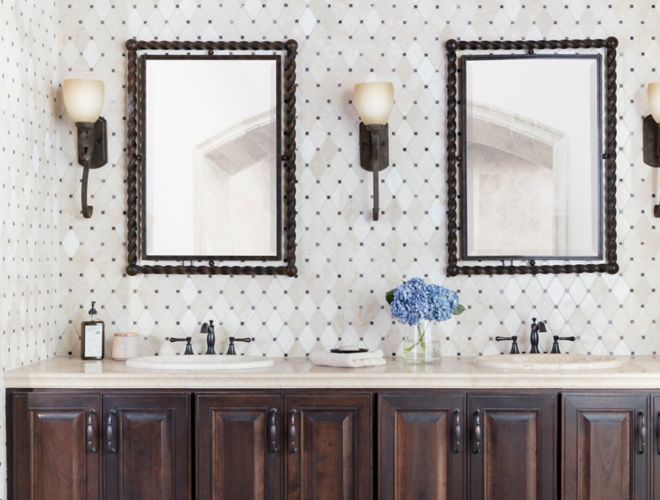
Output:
x=530 y=163
x=215 y=154
x=211 y=167
x=532 y=188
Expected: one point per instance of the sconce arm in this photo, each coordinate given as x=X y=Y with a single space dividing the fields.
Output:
x=374 y=156
x=92 y=153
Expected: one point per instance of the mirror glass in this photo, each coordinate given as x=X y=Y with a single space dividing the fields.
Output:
x=212 y=178
x=532 y=155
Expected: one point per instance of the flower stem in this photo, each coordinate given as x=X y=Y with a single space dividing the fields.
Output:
x=420 y=339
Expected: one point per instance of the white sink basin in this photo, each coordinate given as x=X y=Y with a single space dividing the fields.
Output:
x=549 y=362
x=199 y=362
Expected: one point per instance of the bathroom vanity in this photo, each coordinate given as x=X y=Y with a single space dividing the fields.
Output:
x=451 y=430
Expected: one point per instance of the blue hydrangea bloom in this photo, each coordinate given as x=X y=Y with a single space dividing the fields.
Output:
x=442 y=303
x=415 y=301
x=410 y=302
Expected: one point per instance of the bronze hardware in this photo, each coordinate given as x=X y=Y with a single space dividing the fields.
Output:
x=110 y=433
x=641 y=432
x=272 y=431
x=456 y=448
x=293 y=432
x=91 y=431
x=476 y=432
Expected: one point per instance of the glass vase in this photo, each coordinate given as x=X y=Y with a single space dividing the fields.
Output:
x=421 y=344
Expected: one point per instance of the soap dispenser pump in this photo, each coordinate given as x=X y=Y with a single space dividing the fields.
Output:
x=92 y=337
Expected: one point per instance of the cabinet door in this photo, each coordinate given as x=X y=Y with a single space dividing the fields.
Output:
x=54 y=445
x=512 y=447
x=147 y=446
x=239 y=446
x=604 y=447
x=329 y=446
x=421 y=446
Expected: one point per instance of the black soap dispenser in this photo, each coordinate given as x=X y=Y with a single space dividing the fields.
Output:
x=92 y=337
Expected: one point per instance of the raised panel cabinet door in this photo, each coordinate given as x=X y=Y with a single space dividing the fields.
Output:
x=54 y=445
x=239 y=446
x=147 y=446
x=421 y=440
x=328 y=446
x=512 y=447
x=605 y=447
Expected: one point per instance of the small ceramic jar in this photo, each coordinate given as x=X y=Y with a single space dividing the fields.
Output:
x=125 y=346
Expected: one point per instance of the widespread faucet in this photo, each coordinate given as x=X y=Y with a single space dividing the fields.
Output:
x=209 y=330
x=534 y=335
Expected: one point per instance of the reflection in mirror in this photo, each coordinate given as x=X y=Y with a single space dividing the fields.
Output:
x=212 y=169
x=532 y=182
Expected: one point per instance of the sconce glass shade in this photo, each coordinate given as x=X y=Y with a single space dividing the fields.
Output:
x=653 y=96
x=374 y=102
x=83 y=99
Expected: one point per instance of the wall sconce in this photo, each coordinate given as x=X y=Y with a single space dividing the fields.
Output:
x=651 y=134
x=374 y=102
x=83 y=100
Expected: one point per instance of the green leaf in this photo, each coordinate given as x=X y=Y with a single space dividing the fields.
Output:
x=459 y=310
x=389 y=296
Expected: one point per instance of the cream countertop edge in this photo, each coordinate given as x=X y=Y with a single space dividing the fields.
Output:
x=450 y=373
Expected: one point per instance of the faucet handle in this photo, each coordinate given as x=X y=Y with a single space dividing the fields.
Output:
x=187 y=340
x=514 y=343
x=555 y=343
x=231 y=349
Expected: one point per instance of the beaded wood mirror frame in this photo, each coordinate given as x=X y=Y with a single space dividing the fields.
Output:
x=454 y=160
x=136 y=162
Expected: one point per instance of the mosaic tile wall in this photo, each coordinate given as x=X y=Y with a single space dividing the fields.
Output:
x=31 y=315
x=346 y=261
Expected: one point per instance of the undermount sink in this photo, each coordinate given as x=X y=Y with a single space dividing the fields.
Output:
x=549 y=362
x=200 y=363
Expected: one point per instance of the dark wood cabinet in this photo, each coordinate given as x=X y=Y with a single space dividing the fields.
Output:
x=328 y=446
x=421 y=443
x=239 y=446
x=605 y=446
x=54 y=445
x=320 y=445
x=512 y=446
x=147 y=446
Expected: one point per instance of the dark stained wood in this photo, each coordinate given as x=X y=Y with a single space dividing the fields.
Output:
x=329 y=446
x=602 y=457
x=152 y=436
x=654 y=444
x=416 y=439
x=236 y=457
x=516 y=456
x=50 y=457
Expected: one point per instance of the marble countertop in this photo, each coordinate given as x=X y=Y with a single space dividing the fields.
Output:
x=641 y=372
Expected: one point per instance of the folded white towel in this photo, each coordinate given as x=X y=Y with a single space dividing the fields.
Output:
x=352 y=360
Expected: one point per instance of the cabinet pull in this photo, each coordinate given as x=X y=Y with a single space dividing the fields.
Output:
x=641 y=432
x=456 y=448
x=293 y=432
x=110 y=434
x=91 y=431
x=476 y=432
x=272 y=431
